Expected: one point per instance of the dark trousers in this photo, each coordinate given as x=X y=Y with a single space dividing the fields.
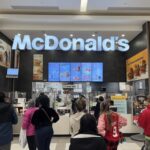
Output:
x=31 y=142
x=5 y=147
x=43 y=137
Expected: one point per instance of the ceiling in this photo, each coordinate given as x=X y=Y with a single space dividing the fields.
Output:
x=73 y=6
x=62 y=18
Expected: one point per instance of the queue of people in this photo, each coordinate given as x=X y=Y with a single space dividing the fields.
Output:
x=87 y=131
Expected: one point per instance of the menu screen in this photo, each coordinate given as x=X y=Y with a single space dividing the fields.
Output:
x=90 y=72
x=76 y=72
x=97 y=72
x=53 y=72
x=64 y=71
x=86 y=71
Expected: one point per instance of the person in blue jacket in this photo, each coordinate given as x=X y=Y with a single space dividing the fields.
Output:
x=8 y=117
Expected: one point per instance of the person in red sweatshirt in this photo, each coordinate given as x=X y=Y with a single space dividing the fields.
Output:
x=144 y=122
x=109 y=123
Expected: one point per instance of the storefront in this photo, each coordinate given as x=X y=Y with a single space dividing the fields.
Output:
x=64 y=74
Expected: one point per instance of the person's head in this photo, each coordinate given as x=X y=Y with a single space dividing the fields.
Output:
x=80 y=104
x=101 y=99
x=104 y=107
x=2 y=97
x=31 y=103
x=88 y=124
x=41 y=94
x=44 y=100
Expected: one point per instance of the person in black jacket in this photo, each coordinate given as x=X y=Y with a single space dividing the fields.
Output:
x=42 y=120
x=97 y=107
x=8 y=117
x=87 y=138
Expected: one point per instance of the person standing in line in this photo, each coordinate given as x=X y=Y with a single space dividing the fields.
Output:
x=80 y=105
x=97 y=107
x=87 y=138
x=109 y=124
x=8 y=117
x=42 y=119
x=28 y=126
x=144 y=122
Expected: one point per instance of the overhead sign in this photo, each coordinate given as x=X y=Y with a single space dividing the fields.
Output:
x=51 y=42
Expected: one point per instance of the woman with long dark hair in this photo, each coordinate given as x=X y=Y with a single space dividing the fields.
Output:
x=109 y=124
x=87 y=138
x=42 y=119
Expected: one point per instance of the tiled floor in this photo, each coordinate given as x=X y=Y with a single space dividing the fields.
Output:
x=62 y=143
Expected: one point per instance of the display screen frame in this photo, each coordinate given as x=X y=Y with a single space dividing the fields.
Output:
x=12 y=73
x=71 y=73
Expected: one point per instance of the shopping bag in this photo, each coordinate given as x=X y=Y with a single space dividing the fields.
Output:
x=22 y=138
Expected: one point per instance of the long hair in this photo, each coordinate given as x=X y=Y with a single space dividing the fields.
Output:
x=105 y=110
x=44 y=100
x=88 y=124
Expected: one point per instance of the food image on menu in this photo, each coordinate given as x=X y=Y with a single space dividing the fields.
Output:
x=64 y=71
x=131 y=74
x=137 y=70
x=37 y=67
x=53 y=72
x=143 y=66
x=97 y=72
x=86 y=71
x=75 y=71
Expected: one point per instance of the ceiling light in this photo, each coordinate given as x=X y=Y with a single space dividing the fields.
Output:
x=83 y=6
x=19 y=34
x=71 y=35
x=123 y=35
x=93 y=35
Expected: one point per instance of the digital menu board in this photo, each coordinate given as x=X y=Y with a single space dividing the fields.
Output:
x=86 y=71
x=97 y=72
x=53 y=72
x=76 y=72
x=64 y=71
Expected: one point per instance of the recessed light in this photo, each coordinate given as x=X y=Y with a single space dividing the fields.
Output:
x=93 y=35
x=123 y=35
x=83 y=5
x=71 y=35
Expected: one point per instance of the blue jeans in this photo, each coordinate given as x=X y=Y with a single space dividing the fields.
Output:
x=43 y=137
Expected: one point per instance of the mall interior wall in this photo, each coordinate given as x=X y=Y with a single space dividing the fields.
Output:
x=5 y=84
x=138 y=44
x=114 y=65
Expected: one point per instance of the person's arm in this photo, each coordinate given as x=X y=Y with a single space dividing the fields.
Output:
x=122 y=121
x=54 y=116
x=101 y=125
x=14 y=116
x=34 y=119
x=26 y=120
x=141 y=120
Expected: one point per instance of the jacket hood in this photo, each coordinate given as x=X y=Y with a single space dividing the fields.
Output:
x=4 y=107
x=77 y=116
